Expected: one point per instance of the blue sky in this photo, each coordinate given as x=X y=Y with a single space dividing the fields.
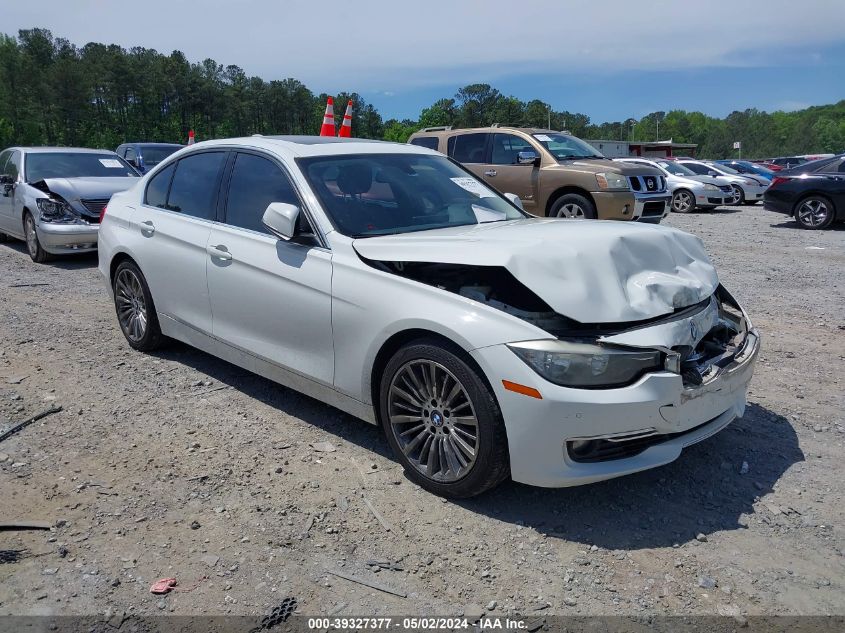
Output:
x=610 y=60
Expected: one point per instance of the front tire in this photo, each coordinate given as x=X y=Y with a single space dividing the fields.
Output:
x=683 y=201
x=573 y=205
x=739 y=196
x=135 y=309
x=442 y=421
x=33 y=246
x=815 y=212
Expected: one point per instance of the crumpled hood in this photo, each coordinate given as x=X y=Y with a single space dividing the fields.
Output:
x=76 y=189
x=589 y=271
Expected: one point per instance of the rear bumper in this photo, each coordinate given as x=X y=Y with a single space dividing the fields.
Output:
x=60 y=239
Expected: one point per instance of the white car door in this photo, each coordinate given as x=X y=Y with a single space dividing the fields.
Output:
x=173 y=226
x=269 y=297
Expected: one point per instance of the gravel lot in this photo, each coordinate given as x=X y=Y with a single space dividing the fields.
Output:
x=181 y=465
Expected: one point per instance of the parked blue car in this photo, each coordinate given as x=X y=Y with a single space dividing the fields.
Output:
x=145 y=156
x=745 y=167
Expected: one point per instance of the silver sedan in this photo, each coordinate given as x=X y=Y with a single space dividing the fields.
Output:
x=389 y=282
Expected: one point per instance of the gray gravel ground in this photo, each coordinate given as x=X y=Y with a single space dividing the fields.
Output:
x=180 y=465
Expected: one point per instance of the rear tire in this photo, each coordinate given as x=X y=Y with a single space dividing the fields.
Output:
x=573 y=205
x=683 y=201
x=135 y=309
x=814 y=213
x=442 y=421
x=33 y=246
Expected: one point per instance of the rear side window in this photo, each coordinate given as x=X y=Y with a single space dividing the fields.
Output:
x=194 y=187
x=158 y=187
x=467 y=148
x=255 y=183
x=697 y=168
x=431 y=142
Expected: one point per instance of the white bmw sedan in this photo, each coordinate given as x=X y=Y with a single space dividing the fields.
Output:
x=389 y=282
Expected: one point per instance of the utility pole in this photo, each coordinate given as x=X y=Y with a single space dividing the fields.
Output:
x=657 y=118
x=550 y=117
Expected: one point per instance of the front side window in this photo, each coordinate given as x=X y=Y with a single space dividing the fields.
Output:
x=13 y=167
x=467 y=148
x=698 y=168
x=255 y=183
x=158 y=187
x=506 y=149
x=43 y=165
x=385 y=194
x=566 y=146
x=194 y=187
x=4 y=157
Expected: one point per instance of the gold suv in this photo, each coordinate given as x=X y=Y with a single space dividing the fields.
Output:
x=553 y=173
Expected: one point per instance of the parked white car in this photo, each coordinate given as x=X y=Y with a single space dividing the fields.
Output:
x=689 y=191
x=51 y=197
x=747 y=189
x=388 y=281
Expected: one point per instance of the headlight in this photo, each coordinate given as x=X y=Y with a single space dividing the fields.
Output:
x=56 y=211
x=609 y=180
x=587 y=365
x=711 y=188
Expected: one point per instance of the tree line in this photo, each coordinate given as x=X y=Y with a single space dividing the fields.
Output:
x=53 y=92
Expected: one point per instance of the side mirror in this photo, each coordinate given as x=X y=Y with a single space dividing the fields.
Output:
x=6 y=179
x=281 y=219
x=714 y=174
x=527 y=158
x=515 y=199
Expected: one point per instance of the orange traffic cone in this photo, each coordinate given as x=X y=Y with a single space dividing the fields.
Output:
x=327 y=129
x=346 y=126
x=191 y=138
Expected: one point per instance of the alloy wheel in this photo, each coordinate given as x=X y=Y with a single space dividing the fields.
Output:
x=737 y=195
x=571 y=210
x=131 y=304
x=682 y=202
x=31 y=237
x=433 y=420
x=813 y=212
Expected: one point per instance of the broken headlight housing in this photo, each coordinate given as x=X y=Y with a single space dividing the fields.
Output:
x=586 y=365
x=56 y=211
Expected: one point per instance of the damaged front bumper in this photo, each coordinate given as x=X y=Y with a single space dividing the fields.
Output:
x=577 y=436
x=59 y=239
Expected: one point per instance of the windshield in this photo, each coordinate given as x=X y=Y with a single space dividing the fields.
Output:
x=566 y=147
x=723 y=169
x=154 y=155
x=384 y=194
x=41 y=165
x=676 y=169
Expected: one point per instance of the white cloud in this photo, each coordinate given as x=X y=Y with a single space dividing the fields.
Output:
x=371 y=44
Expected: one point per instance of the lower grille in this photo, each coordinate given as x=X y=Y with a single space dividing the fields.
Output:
x=592 y=451
x=714 y=200
x=653 y=209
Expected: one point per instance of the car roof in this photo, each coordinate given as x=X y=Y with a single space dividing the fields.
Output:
x=151 y=144
x=62 y=150
x=489 y=128
x=304 y=146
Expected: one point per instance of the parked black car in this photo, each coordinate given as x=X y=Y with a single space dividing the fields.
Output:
x=816 y=199
x=145 y=156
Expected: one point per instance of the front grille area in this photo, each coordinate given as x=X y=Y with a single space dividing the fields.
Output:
x=95 y=207
x=603 y=450
x=653 y=209
x=647 y=184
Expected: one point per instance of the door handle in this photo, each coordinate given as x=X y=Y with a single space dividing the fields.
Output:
x=219 y=252
x=148 y=228
x=490 y=172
